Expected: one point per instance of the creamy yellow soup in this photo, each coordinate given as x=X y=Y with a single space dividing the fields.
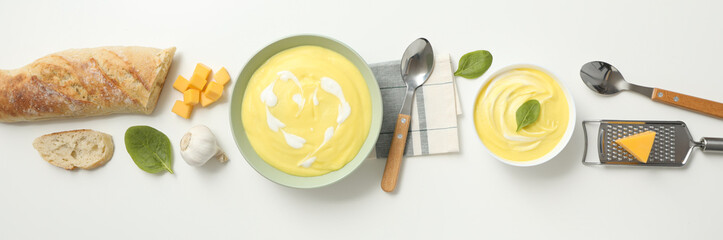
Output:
x=497 y=104
x=307 y=111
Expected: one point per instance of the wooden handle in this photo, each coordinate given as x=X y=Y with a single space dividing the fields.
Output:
x=699 y=105
x=394 y=160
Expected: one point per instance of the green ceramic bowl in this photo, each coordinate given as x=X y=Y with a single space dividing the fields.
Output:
x=239 y=133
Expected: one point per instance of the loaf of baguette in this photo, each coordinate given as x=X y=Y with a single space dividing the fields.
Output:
x=85 y=82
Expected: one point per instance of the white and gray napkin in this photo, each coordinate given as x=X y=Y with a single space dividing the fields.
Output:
x=434 y=110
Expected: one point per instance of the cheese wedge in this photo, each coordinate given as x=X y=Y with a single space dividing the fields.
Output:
x=639 y=145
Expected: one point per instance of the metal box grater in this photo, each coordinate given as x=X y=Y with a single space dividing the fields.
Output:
x=672 y=147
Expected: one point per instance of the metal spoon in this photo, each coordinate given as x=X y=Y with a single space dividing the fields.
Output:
x=417 y=65
x=605 y=79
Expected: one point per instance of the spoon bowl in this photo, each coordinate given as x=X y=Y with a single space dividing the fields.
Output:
x=603 y=78
x=417 y=63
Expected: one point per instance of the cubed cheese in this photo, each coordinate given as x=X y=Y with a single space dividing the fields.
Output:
x=200 y=76
x=205 y=101
x=213 y=91
x=181 y=84
x=191 y=96
x=202 y=71
x=198 y=82
x=222 y=76
x=182 y=109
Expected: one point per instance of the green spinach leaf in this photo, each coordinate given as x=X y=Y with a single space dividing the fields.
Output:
x=474 y=64
x=149 y=148
x=527 y=113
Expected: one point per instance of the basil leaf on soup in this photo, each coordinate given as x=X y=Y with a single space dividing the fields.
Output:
x=527 y=113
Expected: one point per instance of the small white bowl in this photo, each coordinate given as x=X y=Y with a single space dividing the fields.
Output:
x=568 y=132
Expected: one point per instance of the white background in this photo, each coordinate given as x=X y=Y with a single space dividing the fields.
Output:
x=675 y=45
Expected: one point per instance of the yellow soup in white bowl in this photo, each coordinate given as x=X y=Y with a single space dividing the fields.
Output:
x=495 y=115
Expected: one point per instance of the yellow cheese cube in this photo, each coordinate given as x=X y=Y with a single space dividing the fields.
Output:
x=182 y=109
x=198 y=82
x=200 y=76
x=181 y=84
x=191 y=96
x=205 y=101
x=202 y=71
x=213 y=91
x=222 y=76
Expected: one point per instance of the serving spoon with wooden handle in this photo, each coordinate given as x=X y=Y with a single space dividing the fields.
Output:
x=417 y=65
x=605 y=79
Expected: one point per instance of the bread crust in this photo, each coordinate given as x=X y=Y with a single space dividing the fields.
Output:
x=85 y=82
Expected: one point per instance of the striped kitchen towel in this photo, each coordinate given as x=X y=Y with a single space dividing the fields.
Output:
x=434 y=110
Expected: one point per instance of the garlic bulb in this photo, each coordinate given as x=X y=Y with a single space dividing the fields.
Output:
x=199 y=145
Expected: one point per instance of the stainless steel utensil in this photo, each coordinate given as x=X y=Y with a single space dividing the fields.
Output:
x=417 y=65
x=672 y=147
x=605 y=79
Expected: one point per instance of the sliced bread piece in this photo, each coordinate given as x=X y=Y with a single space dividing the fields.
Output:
x=85 y=148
